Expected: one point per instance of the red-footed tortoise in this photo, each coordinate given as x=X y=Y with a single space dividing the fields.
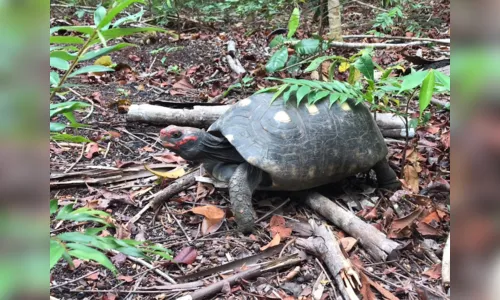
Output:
x=283 y=147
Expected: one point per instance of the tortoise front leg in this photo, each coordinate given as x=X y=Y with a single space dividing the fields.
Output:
x=386 y=176
x=241 y=186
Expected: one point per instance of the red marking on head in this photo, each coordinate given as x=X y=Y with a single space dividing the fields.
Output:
x=186 y=140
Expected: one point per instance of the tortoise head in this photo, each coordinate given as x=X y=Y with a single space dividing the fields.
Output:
x=185 y=141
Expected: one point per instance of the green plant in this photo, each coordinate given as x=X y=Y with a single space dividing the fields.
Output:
x=382 y=94
x=66 y=109
x=385 y=20
x=88 y=245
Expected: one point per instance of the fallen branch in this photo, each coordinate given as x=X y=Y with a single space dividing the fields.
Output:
x=173 y=188
x=376 y=45
x=372 y=240
x=204 y=116
x=199 y=116
x=215 y=288
x=326 y=247
x=232 y=60
x=440 y=41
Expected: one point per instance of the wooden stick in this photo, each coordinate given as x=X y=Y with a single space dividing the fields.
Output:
x=445 y=269
x=204 y=116
x=440 y=41
x=325 y=246
x=175 y=187
x=374 y=241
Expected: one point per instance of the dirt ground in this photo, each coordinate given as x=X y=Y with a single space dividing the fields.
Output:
x=149 y=76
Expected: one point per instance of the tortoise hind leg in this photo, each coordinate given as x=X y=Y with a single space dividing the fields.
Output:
x=386 y=176
x=241 y=186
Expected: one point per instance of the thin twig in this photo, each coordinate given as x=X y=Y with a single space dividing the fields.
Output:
x=148 y=265
x=77 y=160
x=73 y=280
x=369 y=5
x=178 y=223
x=273 y=211
x=403 y=159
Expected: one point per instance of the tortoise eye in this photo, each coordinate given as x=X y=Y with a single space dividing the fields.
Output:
x=176 y=134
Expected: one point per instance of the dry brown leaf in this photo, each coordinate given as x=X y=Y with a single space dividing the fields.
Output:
x=445 y=139
x=366 y=291
x=348 y=243
x=427 y=230
x=93 y=276
x=126 y=278
x=213 y=217
x=186 y=256
x=274 y=242
x=401 y=228
x=434 y=272
x=181 y=87
x=411 y=178
x=388 y=295
x=172 y=174
x=431 y=218
x=91 y=149
x=277 y=226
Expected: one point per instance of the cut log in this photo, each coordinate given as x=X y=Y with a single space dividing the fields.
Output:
x=204 y=116
x=373 y=241
x=199 y=116
x=235 y=65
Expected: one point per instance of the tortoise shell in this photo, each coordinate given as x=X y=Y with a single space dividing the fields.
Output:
x=306 y=146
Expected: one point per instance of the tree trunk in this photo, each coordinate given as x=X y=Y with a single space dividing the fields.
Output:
x=334 y=20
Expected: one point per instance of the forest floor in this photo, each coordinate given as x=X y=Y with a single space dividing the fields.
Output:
x=164 y=71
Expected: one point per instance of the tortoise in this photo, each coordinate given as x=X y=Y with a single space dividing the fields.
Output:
x=281 y=146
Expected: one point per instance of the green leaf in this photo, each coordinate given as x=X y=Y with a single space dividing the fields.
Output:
x=88 y=69
x=276 y=41
x=68 y=106
x=116 y=10
x=426 y=91
x=302 y=91
x=89 y=253
x=307 y=46
x=130 y=18
x=54 y=78
x=294 y=59
x=82 y=29
x=443 y=79
x=289 y=92
x=59 y=63
x=365 y=65
x=94 y=230
x=62 y=55
x=104 y=51
x=333 y=98
x=317 y=96
x=64 y=137
x=99 y=14
x=293 y=23
x=279 y=92
x=317 y=62
x=278 y=60
x=55 y=127
x=56 y=252
x=61 y=39
x=53 y=206
x=267 y=89
x=412 y=80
